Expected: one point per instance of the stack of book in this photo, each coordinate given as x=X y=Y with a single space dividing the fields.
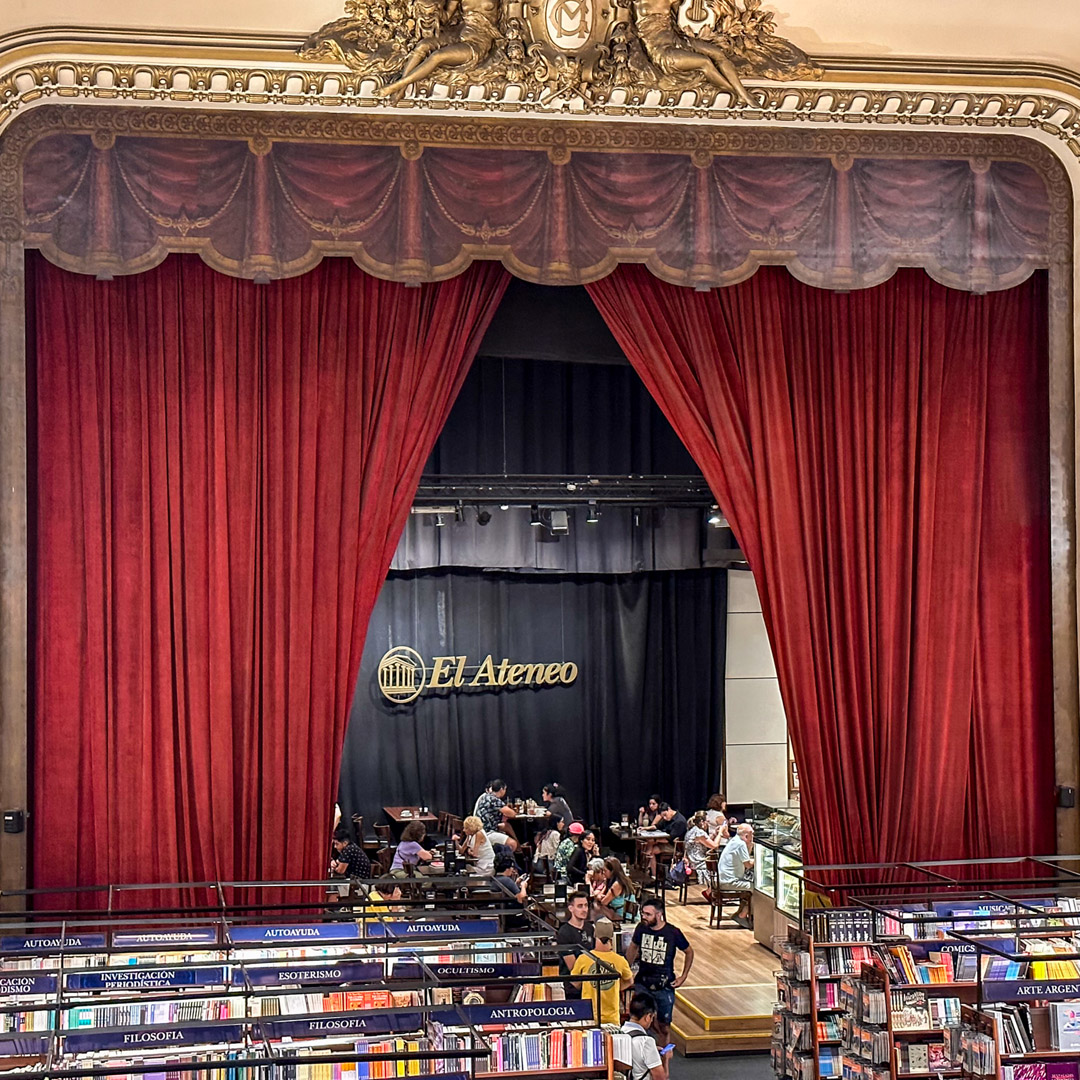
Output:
x=1040 y=1070
x=535 y=1051
x=929 y=1058
x=913 y=1010
x=1015 y=1032
x=840 y=924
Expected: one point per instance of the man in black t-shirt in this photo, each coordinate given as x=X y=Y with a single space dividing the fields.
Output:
x=574 y=936
x=655 y=944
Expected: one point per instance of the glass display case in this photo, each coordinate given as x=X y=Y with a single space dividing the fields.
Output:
x=764 y=869
x=777 y=899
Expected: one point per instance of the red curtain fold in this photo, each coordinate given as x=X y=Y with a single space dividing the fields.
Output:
x=223 y=472
x=883 y=458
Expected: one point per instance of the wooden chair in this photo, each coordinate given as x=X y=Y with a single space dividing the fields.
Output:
x=384 y=835
x=384 y=858
x=691 y=879
x=721 y=898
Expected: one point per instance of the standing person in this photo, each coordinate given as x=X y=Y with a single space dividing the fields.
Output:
x=617 y=889
x=476 y=845
x=492 y=810
x=574 y=936
x=647 y=1063
x=411 y=850
x=555 y=797
x=578 y=866
x=656 y=942
x=735 y=870
x=602 y=959
x=347 y=862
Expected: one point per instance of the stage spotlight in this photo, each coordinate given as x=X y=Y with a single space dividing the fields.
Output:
x=439 y=521
x=560 y=522
x=482 y=516
x=594 y=513
x=504 y=506
x=715 y=517
x=534 y=518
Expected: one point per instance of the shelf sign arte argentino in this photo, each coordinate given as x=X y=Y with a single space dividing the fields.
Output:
x=404 y=675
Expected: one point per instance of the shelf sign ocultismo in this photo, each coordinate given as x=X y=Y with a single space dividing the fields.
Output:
x=404 y=674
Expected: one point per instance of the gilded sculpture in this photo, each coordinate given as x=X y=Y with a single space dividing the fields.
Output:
x=560 y=53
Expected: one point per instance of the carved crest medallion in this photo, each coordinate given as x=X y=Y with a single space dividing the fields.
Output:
x=560 y=53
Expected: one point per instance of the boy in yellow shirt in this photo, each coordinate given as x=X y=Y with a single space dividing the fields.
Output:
x=604 y=960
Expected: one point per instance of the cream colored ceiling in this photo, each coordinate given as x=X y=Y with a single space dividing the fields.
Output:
x=993 y=30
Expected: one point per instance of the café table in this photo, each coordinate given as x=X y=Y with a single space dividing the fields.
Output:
x=400 y=816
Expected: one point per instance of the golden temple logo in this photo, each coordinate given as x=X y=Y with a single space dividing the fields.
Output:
x=403 y=675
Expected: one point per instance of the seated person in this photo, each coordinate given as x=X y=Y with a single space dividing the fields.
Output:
x=735 y=870
x=347 y=862
x=475 y=845
x=595 y=877
x=508 y=880
x=549 y=839
x=602 y=959
x=648 y=816
x=410 y=851
x=554 y=796
x=568 y=846
x=698 y=845
x=718 y=822
x=617 y=889
x=492 y=810
x=587 y=847
x=669 y=821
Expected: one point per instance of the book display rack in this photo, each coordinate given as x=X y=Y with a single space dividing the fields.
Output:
x=266 y=991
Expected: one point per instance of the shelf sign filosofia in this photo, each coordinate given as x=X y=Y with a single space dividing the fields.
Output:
x=166 y=1035
x=360 y=1023
x=444 y=928
x=296 y=934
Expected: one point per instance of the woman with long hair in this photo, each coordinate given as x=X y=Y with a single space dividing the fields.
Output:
x=618 y=889
x=476 y=845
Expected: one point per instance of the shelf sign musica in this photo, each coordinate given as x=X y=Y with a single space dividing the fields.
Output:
x=404 y=674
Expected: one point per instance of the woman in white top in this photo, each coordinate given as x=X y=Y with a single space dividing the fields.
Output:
x=716 y=817
x=475 y=845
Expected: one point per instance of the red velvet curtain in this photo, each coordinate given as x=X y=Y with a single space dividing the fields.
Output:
x=223 y=472
x=882 y=457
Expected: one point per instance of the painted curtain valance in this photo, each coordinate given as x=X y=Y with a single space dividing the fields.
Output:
x=114 y=204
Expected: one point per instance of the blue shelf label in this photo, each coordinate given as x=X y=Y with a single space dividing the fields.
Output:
x=206 y=935
x=360 y=1023
x=453 y=971
x=521 y=1012
x=152 y=1036
x=41 y=942
x=286 y=975
x=133 y=978
x=1030 y=989
x=22 y=1045
x=442 y=928
x=296 y=935
x=17 y=983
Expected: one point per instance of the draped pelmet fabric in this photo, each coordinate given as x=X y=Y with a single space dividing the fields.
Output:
x=882 y=456
x=223 y=471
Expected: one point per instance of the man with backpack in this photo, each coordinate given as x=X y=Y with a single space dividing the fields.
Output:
x=646 y=1060
x=602 y=959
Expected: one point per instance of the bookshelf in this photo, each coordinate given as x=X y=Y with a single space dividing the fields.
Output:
x=370 y=993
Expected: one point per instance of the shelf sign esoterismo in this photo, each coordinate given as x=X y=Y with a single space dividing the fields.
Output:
x=404 y=675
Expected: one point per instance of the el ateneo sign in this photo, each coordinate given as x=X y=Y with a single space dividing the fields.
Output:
x=404 y=675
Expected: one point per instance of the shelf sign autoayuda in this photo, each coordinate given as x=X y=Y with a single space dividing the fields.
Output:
x=404 y=674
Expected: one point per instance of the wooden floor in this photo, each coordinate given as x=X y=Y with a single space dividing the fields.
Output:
x=726 y=1004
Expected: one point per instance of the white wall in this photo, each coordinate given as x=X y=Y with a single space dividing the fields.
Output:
x=755 y=753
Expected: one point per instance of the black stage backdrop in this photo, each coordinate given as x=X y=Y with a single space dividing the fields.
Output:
x=645 y=714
